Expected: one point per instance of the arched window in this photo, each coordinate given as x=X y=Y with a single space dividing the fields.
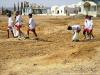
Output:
x=79 y=9
x=87 y=6
x=58 y=12
x=53 y=11
x=61 y=11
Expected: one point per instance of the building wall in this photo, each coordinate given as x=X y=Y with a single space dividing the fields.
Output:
x=92 y=11
x=98 y=5
x=98 y=9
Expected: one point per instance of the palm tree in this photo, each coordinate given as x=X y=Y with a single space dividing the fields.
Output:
x=18 y=7
x=22 y=6
x=14 y=7
x=2 y=10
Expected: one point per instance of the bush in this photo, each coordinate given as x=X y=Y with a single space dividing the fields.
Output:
x=6 y=11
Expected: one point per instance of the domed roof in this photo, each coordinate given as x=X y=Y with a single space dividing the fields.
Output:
x=89 y=3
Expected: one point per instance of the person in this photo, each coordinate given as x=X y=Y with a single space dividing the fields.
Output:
x=88 y=28
x=85 y=28
x=31 y=26
x=10 y=25
x=76 y=30
x=18 y=24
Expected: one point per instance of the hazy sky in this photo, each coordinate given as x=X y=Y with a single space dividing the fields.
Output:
x=9 y=3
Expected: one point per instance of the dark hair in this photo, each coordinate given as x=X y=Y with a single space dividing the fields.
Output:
x=30 y=15
x=90 y=17
x=9 y=14
x=17 y=12
x=87 y=16
x=69 y=28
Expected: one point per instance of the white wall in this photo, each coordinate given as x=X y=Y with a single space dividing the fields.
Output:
x=92 y=12
x=60 y=9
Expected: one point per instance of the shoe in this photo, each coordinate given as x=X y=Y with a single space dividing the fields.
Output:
x=75 y=40
x=26 y=37
x=15 y=36
x=36 y=38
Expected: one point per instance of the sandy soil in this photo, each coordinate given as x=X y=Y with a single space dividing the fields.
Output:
x=54 y=53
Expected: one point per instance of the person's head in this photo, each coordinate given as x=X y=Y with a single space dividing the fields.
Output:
x=87 y=16
x=30 y=15
x=90 y=17
x=9 y=14
x=69 y=28
x=17 y=13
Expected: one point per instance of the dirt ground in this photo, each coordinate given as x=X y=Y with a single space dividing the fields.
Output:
x=54 y=53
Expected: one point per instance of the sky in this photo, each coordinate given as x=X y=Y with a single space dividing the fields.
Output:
x=10 y=3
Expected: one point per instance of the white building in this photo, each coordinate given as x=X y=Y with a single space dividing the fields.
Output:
x=35 y=9
x=63 y=10
x=54 y=10
x=27 y=10
x=87 y=8
x=58 y=10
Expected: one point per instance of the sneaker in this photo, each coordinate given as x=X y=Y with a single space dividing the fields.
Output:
x=36 y=38
x=26 y=37
x=75 y=40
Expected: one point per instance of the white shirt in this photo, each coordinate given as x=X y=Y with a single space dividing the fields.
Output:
x=18 y=20
x=32 y=24
x=76 y=27
x=10 y=22
x=85 y=24
x=89 y=24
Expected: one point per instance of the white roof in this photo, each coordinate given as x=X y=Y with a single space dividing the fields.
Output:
x=62 y=7
x=55 y=6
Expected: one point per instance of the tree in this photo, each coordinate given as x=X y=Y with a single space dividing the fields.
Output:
x=14 y=7
x=24 y=4
x=2 y=10
x=18 y=7
x=22 y=7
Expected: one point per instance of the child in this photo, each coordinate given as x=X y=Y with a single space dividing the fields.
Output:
x=31 y=26
x=10 y=24
x=76 y=29
x=18 y=24
x=88 y=28
x=85 y=29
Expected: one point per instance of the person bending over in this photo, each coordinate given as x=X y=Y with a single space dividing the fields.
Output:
x=76 y=30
